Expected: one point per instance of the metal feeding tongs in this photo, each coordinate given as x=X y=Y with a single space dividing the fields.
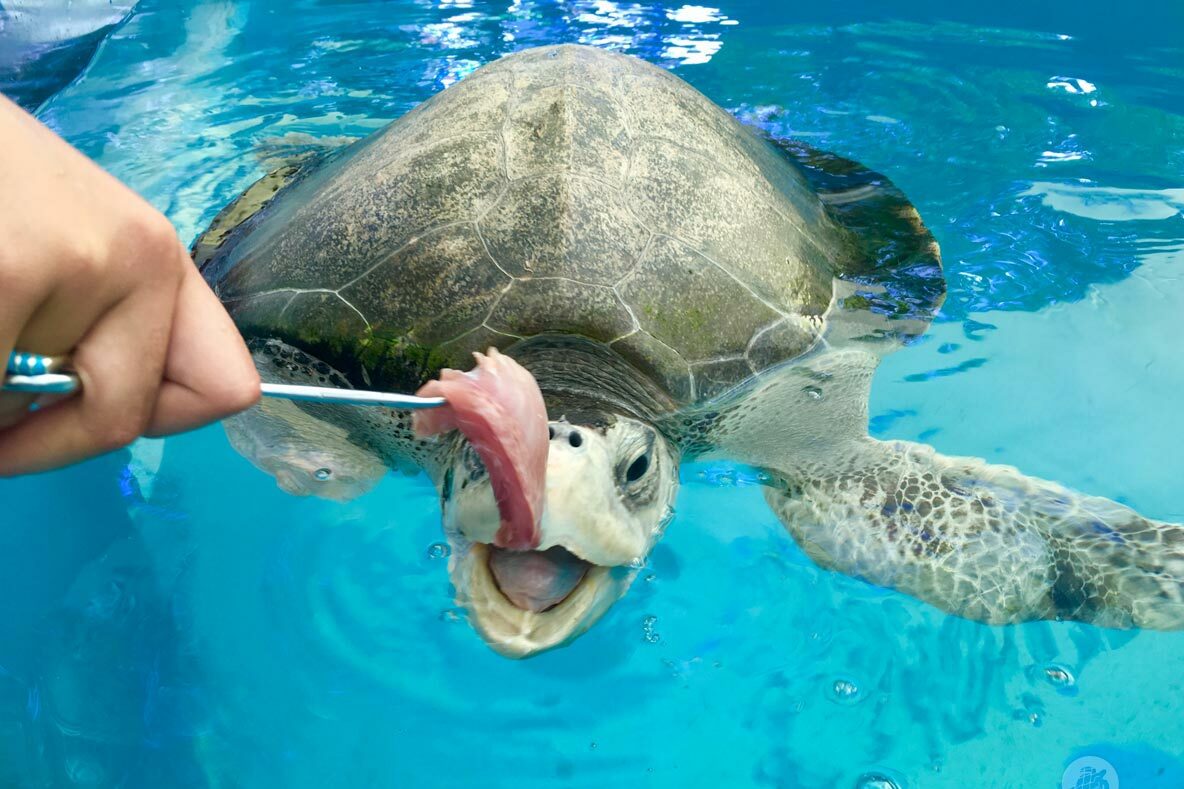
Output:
x=32 y=373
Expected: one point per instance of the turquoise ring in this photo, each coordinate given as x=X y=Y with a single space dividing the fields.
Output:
x=33 y=373
x=23 y=363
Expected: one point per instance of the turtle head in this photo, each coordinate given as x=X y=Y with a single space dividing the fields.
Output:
x=610 y=486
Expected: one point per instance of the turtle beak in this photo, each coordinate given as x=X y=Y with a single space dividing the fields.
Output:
x=527 y=601
x=583 y=511
x=510 y=624
x=596 y=529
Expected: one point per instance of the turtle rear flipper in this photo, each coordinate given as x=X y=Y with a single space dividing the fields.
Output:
x=246 y=205
x=287 y=159
x=893 y=272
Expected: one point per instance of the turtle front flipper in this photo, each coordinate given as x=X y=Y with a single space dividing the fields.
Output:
x=983 y=541
x=306 y=457
x=329 y=451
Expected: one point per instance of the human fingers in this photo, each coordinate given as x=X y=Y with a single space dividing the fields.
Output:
x=120 y=362
x=19 y=301
x=50 y=314
x=208 y=373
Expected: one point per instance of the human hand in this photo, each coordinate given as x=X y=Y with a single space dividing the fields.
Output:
x=88 y=268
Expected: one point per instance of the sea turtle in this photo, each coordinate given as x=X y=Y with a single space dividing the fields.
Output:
x=680 y=286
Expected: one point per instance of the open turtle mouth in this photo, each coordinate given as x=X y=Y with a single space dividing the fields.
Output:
x=523 y=602
x=536 y=581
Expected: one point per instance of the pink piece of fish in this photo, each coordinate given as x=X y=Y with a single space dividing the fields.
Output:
x=498 y=407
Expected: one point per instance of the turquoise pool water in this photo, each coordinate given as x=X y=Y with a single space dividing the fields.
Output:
x=171 y=619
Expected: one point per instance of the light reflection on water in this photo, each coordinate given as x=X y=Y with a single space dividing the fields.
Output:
x=251 y=639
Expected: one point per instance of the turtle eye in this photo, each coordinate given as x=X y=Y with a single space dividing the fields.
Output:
x=637 y=468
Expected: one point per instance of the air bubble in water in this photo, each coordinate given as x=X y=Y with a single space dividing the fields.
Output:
x=439 y=550
x=1032 y=710
x=1059 y=676
x=876 y=780
x=647 y=629
x=637 y=563
x=844 y=691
